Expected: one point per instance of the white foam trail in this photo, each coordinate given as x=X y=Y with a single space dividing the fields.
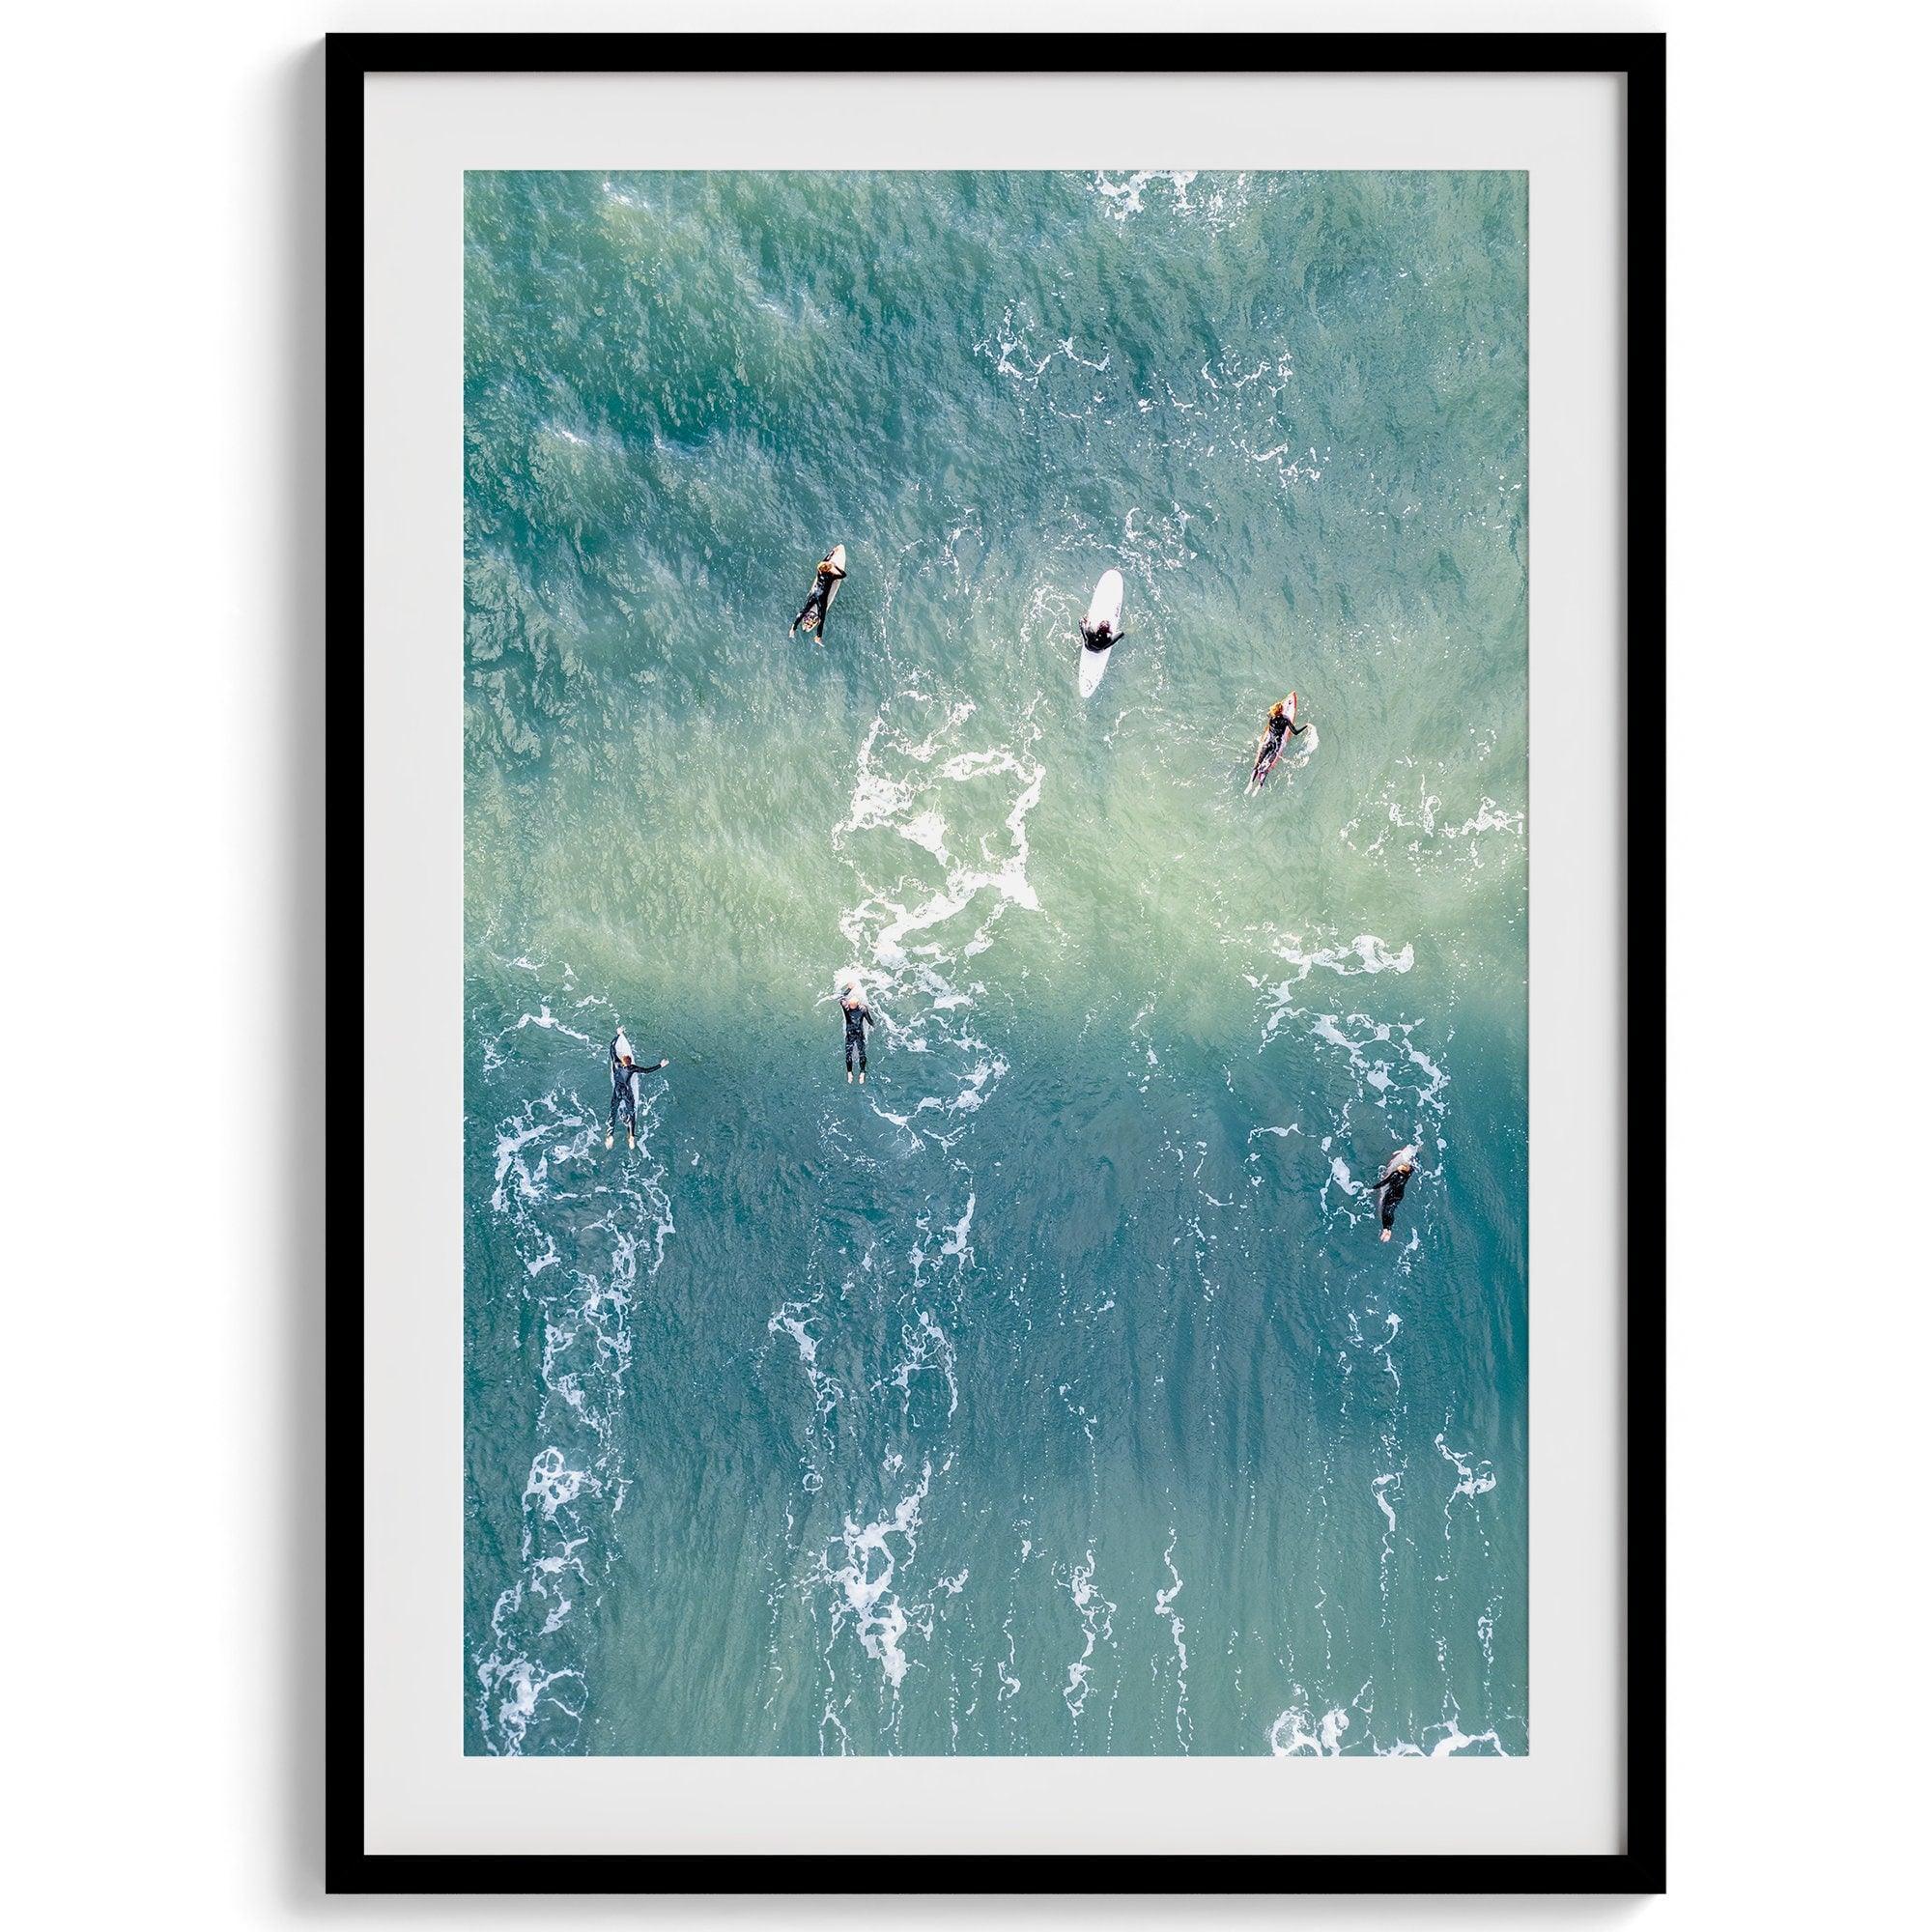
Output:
x=936 y=834
x=514 y=1690
x=1096 y=1623
x=1385 y=1554
x=955 y=1238
x=928 y=1347
x=865 y=1597
x=1418 y=812
x=1384 y=1066
x=1379 y=1487
x=903 y=933
x=553 y=1485
x=1470 y=1482
x=1163 y=1606
x=1297 y=1733
x=1454 y=1739
x=1367 y=953
x=790 y=1318
x=1126 y=197
x=586 y=1231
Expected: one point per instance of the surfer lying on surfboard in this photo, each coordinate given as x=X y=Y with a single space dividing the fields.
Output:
x=1280 y=726
x=1395 y=1177
x=1101 y=629
x=625 y=1073
x=858 y=1017
x=825 y=583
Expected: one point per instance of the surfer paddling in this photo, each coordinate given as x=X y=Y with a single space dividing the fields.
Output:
x=625 y=1075
x=1096 y=637
x=825 y=583
x=1278 y=730
x=858 y=1017
x=1396 y=1177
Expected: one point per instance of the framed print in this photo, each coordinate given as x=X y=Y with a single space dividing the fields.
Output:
x=996 y=958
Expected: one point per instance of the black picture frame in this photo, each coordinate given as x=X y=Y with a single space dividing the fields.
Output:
x=1639 y=58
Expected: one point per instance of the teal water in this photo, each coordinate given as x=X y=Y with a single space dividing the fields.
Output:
x=1051 y=1393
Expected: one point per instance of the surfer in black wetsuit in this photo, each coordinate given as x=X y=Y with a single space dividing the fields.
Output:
x=1100 y=636
x=624 y=1073
x=858 y=1017
x=1280 y=728
x=830 y=571
x=1390 y=1187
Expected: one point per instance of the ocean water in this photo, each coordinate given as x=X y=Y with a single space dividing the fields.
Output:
x=1052 y=1392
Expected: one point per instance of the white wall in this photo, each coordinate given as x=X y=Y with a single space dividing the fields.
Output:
x=163 y=639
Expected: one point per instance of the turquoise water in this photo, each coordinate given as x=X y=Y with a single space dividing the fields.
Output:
x=1052 y=1392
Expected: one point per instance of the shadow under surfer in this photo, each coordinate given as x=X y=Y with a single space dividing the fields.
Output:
x=825 y=583
x=625 y=1075
x=1395 y=1177
x=858 y=1017
x=1281 y=727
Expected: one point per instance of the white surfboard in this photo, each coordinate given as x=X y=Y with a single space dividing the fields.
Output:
x=1109 y=594
x=831 y=590
x=1396 y=1161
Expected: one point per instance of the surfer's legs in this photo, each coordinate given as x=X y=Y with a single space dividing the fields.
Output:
x=850 y=1043
x=1388 y=1214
